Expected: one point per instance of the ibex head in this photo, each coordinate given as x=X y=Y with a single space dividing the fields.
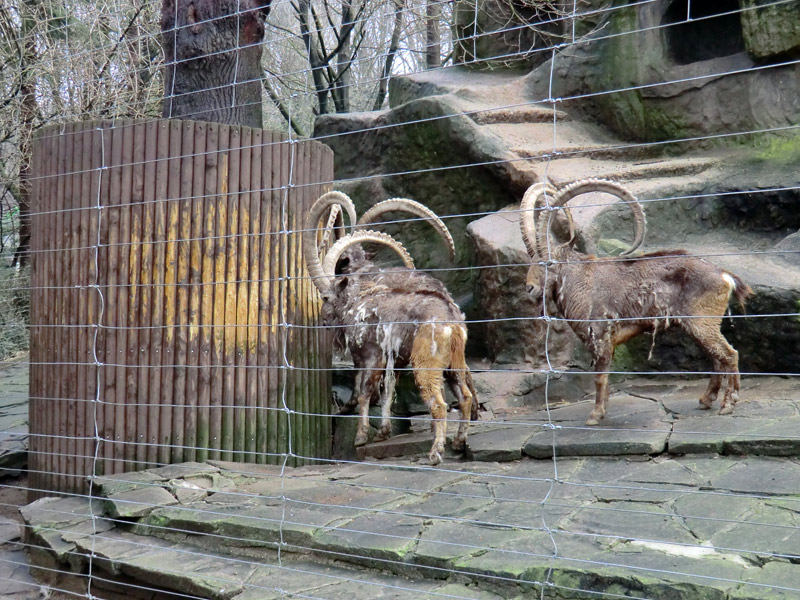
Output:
x=536 y=232
x=536 y=198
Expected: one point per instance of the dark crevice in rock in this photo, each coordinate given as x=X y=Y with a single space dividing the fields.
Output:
x=637 y=395
x=426 y=525
x=609 y=500
x=683 y=520
x=700 y=30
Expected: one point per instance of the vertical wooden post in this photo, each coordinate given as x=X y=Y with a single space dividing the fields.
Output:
x=177 y=312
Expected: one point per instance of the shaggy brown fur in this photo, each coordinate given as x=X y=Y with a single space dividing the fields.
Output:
x=610 y=300
x=392 y=319
x=389 y=329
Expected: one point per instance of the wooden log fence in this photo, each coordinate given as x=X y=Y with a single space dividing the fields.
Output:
x=171 y=313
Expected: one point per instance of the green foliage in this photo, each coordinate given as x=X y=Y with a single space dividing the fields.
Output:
x=779 y=150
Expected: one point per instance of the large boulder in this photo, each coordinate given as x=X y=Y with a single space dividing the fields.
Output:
x=424 y=150
x=512 y=330
x=771 y=31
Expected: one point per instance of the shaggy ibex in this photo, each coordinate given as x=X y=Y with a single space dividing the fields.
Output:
x=357 y=261
x=393 y=319
x=607 y=301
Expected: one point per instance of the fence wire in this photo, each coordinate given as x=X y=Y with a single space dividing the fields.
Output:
x=180 y=410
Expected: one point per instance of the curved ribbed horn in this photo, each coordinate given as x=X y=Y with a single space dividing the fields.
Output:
x=585 y=186
x=541 y=203
x=360 y=237
x=412 y=207
x=310 y=252
x=527 y=217
x=334 y=225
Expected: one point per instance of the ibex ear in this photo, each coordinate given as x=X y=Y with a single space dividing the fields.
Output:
x=342 y=264
x=342 y=283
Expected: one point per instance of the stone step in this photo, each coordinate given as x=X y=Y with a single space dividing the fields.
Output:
x=644 y=418
x=516 y=115
x=595 y=526
x=563 y=170
x=127 y=565
x=535 y=140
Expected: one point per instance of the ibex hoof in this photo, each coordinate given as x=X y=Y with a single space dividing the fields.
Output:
x=594 y=419
x=726 y=409
x=383 y=434
x=705 y=404
x=459 y=444
x=361 y=439
x=434 y=457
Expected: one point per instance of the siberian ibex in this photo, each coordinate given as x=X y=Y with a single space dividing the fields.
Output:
x=607 y=301
x=392 y=319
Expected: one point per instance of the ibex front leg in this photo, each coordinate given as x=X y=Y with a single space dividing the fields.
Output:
x=367 y=382
x=387 y=397
x=603 y=353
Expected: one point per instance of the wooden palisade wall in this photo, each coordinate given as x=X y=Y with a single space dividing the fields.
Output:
x=171 y=308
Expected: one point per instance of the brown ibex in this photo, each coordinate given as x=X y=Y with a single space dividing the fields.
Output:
x=393 y=319
x=607 y=301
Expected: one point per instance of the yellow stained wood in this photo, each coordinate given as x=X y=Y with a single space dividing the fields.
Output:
x=219 y=254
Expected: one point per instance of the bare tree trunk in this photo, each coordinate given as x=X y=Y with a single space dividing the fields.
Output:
x=212 y=56
x=29 y=109
x=282 y=108
x=314 y=56
x=393 y=44
x=343 y=78
x=433 y=39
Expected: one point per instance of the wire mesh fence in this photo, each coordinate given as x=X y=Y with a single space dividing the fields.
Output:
x=234 y=364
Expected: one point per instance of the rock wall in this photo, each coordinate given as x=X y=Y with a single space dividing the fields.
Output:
x=652 y=80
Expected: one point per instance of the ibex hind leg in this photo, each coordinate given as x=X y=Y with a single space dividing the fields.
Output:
x=430 y=388
x=714 y=385
x=731 y=396
x=430 y=355
x=725 y=363
x=466 y=401
x=473 y=415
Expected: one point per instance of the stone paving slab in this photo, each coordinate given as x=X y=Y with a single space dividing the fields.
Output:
x=660 y=500
x=738 y=435
x=633 y=426
x=645 y=417
x=13 y=417
x=655 y=527
x=137 y=564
